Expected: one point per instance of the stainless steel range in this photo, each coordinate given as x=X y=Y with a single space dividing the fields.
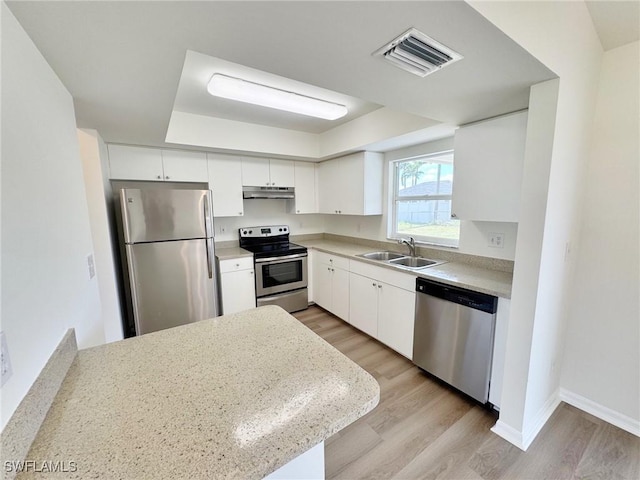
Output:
x=281 y=267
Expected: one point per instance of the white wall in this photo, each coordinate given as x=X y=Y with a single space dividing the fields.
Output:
x=203 y=131
x=267 y=212
x=474 y=236
x=95 y=170
x=45 y=223
x=601 y=359
x=571 y=49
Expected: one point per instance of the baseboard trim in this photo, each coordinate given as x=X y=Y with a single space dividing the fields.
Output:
x=541 y=418
x=600 y=411
x=524 y=439
x=509 y=433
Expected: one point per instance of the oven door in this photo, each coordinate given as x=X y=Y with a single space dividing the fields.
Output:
x=280 y=274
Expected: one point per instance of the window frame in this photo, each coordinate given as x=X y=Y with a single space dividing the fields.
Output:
x=395 y=199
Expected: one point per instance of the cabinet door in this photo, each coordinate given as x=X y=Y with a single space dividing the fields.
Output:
x=281 y=173
x=238 y=291
x=255 y=172
x=350 y=184
x=305 y=184
x=135 y=163
x=488 y=164
x=225 y=181
x=328 y=188
x=322 y=281
x=363 y=309
x=183 y=166
x=340 y=293
x=396 y=309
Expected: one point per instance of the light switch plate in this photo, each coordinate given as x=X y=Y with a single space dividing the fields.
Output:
x=5 y=361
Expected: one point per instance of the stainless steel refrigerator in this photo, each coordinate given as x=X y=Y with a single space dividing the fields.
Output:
x=168 y=239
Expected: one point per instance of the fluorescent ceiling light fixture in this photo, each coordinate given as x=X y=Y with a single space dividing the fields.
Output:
x=257 y=94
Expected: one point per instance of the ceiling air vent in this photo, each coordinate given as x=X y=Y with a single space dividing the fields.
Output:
x=417 y=53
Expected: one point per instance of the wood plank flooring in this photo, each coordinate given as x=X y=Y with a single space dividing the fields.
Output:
x=421 y=429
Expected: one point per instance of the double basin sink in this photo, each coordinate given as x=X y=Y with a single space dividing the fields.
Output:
x=400 y=260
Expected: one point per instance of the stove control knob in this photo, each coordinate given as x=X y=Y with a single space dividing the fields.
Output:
x=250 y=232
x=244 y=232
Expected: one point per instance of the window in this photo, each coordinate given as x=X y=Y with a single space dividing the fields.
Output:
x=422 y=200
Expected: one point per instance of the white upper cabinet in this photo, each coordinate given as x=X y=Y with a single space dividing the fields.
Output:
x=255 y=172
x=135 y=163
x=262 y=172
x=488 y=164
x=351 y=185
x=154 y=164
x=225 y=181
x=183 y=166
x=282 y=173
x=306 y=200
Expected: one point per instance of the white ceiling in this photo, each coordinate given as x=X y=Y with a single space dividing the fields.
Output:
x=193 y=98
x=122 y=61
x=617 y=22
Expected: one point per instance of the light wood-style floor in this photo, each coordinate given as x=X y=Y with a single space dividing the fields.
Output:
x=422 y=429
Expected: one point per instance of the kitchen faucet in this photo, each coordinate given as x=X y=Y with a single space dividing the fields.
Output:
x=409 y=243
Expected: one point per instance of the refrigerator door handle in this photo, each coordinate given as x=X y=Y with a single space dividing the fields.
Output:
x=207 y=216
x=209 y=241
x=134 y=291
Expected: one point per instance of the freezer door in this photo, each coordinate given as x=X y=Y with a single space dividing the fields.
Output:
x=172 y=283
x=152 y=215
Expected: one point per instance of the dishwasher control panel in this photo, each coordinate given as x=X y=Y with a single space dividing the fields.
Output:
x=468 y=298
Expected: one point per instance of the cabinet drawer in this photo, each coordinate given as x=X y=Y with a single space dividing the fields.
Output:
x=334 y=260
x=235 y=264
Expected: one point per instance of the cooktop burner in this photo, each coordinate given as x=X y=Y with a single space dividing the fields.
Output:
x=269 y=241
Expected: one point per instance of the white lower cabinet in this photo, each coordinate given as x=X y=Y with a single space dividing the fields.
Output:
x=237 y=284
x=330 y=277
x=396 y=310
x=499 y=351
x=363 y=305
x=376 y=300
x=384 y=311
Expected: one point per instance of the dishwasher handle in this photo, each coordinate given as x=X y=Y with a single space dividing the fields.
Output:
x=468 y=298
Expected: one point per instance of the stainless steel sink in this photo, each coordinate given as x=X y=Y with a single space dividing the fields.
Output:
x=413 y=262
x=382 y=256
x=400 y=260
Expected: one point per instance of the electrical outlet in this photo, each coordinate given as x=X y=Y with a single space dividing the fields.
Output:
x=92 y=266
x=496 y=240
x=5 y=361
x=223 y=229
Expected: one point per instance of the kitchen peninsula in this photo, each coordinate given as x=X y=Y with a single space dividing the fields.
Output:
x=237 y=396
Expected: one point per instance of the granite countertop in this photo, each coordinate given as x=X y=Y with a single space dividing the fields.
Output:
x=236 y=396
x=232 y=252
x=458 y=274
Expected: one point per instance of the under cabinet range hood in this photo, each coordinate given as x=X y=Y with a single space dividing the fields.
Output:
x=268 y=192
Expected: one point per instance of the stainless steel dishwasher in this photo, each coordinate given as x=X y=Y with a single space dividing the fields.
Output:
x=453 y=336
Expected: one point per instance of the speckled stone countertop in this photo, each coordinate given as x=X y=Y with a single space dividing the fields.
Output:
x=232 y=252
x=236 y=396
x=483 y=280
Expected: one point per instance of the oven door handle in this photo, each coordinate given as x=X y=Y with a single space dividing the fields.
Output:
x=279 y=259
